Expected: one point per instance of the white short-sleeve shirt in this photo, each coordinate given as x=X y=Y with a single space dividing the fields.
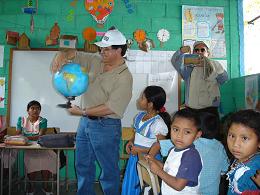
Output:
x=156 y=127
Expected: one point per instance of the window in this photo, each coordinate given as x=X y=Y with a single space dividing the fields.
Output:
x=250 y=42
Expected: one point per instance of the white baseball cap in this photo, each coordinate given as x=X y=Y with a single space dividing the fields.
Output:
x=112 y=37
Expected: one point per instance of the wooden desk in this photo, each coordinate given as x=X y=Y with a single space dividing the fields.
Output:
x=33 y=146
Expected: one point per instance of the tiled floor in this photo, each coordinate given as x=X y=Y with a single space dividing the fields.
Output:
x=19 y=190
x=18 y=186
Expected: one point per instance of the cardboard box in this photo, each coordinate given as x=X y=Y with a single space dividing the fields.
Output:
x=68 y=41
x=12 y=37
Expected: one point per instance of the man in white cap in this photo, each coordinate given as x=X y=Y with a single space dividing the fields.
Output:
x=202 y=79
x=103 y=105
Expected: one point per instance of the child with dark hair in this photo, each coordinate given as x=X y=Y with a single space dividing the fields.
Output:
x=151 y=125
x=243 y=141
x=181 y=170
x=212 y=152
x=33 y=126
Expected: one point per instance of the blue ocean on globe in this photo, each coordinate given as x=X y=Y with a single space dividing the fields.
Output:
x=71 y=80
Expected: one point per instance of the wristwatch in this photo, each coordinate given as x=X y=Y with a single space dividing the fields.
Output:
x=84 y=112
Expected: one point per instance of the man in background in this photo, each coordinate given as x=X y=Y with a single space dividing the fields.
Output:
x=202 y=78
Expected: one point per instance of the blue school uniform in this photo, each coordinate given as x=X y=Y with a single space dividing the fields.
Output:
x=145 y=132
x=240 y=175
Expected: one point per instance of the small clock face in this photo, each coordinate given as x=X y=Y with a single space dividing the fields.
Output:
x=163 y=35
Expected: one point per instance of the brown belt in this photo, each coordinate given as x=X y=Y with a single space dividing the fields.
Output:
x=95 y=117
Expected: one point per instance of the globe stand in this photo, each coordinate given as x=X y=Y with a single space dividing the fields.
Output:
x=68 y=104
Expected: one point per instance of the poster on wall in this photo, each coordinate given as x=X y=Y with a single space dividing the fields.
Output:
x=251 y=92
x=2 y=92
x=1 y=55
x=205 y=24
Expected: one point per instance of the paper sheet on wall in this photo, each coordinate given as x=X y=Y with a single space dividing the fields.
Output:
x=167 y=81
x=2 y=92
x=1 y=55
x=189 y=42
x=140 y=62
x=164 y=80
x=151 y=68
x=251 y=91
x=205 y=24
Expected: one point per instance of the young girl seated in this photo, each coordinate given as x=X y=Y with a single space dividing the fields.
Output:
x=243 y=141
x=150 y=125
x=33 y=126
x=181 y=170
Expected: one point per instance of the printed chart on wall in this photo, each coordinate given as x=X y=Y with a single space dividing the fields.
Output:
x=151 y=68
x=205 y=24
x=2 y=92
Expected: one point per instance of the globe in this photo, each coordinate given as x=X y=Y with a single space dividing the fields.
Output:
x=71 y=80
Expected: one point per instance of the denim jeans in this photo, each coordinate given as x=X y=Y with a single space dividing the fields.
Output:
x=98 y=140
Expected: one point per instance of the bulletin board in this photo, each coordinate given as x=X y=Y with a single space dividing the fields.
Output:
x=31 y=79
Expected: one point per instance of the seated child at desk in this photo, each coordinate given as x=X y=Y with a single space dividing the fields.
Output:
x=33 y=126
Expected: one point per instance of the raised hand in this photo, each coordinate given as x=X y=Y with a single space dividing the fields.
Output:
x=185 y=49
x=61 y=58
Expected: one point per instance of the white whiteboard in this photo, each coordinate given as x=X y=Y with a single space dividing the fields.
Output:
x=32 y=80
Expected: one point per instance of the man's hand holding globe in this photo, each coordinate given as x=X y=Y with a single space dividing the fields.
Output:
x=62 y=57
